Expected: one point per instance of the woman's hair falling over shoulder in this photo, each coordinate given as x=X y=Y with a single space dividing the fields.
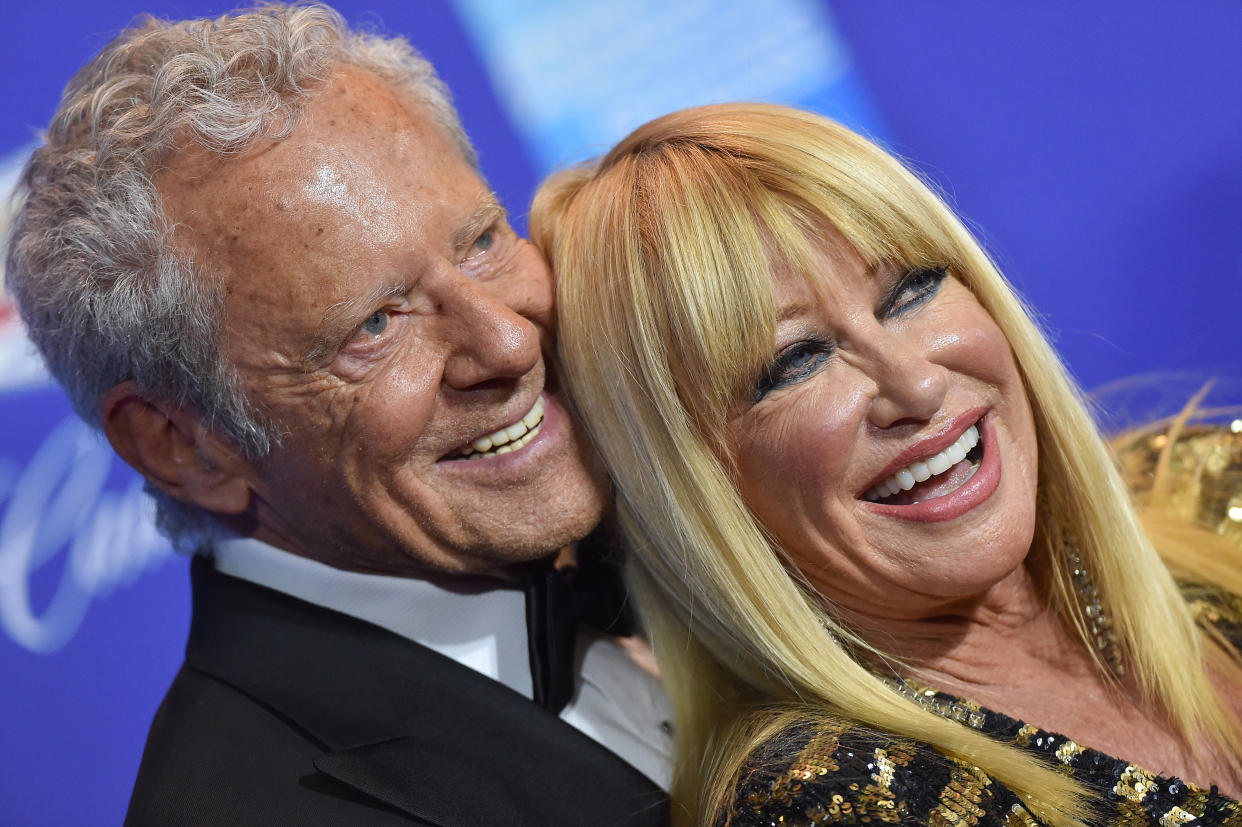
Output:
x=664 y=251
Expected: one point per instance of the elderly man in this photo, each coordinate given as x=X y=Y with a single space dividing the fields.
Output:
x=257 y=253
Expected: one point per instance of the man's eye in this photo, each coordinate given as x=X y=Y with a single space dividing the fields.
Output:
x=914 y=288
x=792 y=365
x=482 y=244
x=376 y=323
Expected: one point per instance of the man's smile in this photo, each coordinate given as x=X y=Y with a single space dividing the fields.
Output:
x=507 y=439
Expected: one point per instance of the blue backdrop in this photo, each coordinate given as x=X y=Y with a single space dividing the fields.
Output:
x=1094 y=144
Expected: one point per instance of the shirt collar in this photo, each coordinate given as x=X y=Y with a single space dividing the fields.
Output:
x=478 y=622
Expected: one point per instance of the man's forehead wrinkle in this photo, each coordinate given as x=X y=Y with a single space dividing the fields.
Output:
x=313 y=233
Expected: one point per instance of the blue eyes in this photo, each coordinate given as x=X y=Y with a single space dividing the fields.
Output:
x=376 y=323
x=801 y=359
x=484 y=242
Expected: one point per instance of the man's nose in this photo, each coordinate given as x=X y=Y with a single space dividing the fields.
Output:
x=491 y=340
x=909 y=384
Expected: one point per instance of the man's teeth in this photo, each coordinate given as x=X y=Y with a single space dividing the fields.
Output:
x=507 y=439
x=925 y=469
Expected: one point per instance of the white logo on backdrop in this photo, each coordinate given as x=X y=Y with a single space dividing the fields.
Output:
x=56 y=510
x=57 y=507
x=577 y=75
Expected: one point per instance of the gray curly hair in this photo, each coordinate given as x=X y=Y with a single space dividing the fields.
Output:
x=104 y=293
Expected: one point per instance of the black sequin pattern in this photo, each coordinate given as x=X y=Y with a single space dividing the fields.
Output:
x=851 y=775
x=825 y=773
x=829 y=774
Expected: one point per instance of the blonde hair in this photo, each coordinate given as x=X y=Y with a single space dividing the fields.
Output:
x=663 y=251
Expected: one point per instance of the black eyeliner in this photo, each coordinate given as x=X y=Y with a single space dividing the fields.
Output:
x=771 y=378
x=902 y=284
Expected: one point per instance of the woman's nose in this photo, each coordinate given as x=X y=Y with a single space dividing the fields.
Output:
x=909 y=385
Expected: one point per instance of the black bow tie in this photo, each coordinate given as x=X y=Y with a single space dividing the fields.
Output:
x=557 y=600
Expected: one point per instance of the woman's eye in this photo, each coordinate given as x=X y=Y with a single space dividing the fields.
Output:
x=792 y=365
x=914 y=289
x=376 y=323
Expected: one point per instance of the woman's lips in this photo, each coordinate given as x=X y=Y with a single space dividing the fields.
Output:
x=931 y=445
x=965 y=487
x=932 y=476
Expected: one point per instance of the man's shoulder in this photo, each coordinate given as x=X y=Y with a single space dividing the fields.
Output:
x=266 y=680
x=286 y=712
x=215 y=755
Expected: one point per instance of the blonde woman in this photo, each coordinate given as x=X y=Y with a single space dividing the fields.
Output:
x=887 y=562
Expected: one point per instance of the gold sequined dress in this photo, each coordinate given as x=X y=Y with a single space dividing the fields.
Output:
x=823 y=773
x=819 y=773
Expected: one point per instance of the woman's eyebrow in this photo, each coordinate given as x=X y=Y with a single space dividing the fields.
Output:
x=793 y=310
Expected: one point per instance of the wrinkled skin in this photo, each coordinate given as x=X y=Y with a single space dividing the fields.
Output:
x=381 y=310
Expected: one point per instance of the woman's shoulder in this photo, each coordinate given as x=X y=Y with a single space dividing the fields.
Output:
x=817 y=771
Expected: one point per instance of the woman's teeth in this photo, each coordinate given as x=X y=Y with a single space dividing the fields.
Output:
x=925 y=469
x=507 y=439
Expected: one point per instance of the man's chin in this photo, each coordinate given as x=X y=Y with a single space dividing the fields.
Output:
x=544 y=532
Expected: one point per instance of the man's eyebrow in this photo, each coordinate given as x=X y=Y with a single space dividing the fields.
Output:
x=340 y=319
x=487 y=213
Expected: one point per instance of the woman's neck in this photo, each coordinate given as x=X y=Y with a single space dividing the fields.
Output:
x=985 y=641
x=1009 y=651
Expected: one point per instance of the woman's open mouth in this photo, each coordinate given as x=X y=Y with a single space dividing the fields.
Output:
x=943 y=485
x=942 y=473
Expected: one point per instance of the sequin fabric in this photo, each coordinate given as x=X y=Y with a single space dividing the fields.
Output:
x=828 y=774
x=1202 y=473
x=1202 y=485
x=851 y=775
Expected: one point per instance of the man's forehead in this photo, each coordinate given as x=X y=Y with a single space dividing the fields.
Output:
x=356 y=120
x=367 y=179
x=361 y=152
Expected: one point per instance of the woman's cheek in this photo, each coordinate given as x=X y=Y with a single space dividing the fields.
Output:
x=798 y=445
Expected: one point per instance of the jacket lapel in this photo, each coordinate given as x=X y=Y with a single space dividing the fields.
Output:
x=469 y=782
x=405 y=725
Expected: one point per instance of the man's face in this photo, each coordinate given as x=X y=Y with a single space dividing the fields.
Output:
x=380 y=309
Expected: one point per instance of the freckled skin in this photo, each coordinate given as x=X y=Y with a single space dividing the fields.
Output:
x=807 y=450
x=368 y=191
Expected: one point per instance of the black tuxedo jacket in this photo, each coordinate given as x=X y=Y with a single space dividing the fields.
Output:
x=288 y=713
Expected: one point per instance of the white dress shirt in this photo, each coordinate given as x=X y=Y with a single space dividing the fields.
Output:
x=616 y=701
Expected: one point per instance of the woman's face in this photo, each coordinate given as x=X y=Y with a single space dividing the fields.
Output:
x=884 y=379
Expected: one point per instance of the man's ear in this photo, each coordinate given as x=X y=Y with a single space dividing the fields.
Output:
x=171 y=447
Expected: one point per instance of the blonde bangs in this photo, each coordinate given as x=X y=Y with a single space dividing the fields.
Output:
x=664 y=253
